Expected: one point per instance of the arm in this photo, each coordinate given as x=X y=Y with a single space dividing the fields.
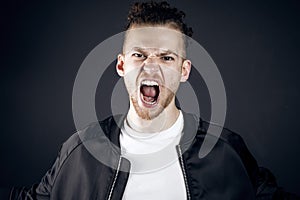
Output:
x=268 y=188
x=40 y=190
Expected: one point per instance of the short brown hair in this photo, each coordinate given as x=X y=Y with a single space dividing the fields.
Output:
x=157 y=13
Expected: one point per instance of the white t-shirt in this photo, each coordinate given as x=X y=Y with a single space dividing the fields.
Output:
x=155 y=169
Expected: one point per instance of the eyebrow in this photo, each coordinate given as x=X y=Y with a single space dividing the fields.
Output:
x=165 y=51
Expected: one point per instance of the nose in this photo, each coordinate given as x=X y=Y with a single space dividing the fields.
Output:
x=151 y=64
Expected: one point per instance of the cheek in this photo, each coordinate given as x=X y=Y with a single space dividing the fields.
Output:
x=130 y=79
x=131 y=68
x=172 y=74
x=171 y=85
x=172 y=80
x=132 y=63
x=129 y=83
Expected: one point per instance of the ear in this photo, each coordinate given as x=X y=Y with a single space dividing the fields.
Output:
x=120 y=65
x=185 y=70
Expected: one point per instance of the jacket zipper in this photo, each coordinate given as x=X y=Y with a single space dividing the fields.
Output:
x=184 y=172
x=115 y=179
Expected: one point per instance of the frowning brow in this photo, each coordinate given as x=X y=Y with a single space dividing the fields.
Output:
x=161 y=52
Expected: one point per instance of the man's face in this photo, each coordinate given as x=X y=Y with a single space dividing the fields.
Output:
x=153 y=65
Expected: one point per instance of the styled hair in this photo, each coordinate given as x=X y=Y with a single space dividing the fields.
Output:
x=157 y=13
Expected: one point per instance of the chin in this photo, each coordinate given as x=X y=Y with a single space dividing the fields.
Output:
x=147 y=112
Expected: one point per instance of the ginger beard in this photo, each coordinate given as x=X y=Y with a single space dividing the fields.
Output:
x=149 y=95
x=146 y=113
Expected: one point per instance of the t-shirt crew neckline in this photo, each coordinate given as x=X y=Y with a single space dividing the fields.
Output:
x=171 y=132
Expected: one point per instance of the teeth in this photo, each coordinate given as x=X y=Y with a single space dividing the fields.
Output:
x=151 y=103
x=149 y=83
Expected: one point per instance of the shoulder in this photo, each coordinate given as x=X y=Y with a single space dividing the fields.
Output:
x=210 y=129
x=233 y=141
x=94 y=131
x=226 y=135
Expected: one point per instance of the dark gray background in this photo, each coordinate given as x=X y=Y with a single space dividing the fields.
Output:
x=255 y=44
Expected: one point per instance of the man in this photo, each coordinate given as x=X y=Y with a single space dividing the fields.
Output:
x=157 y=144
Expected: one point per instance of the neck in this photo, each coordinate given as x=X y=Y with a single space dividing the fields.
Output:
x=160 y=123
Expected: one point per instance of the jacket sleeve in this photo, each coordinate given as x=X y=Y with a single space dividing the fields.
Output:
x=262 y=179
x=43 y=189
x=40 y=190
x=268 y=189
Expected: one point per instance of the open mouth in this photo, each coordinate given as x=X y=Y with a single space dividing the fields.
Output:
x=149 y=91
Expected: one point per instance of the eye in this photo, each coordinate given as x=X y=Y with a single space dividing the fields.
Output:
x=138 y=55
x=167 y=58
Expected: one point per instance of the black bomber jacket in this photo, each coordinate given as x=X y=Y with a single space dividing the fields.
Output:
x=228 y=172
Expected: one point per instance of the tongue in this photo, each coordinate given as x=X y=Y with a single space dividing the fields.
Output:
x=149 y=91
